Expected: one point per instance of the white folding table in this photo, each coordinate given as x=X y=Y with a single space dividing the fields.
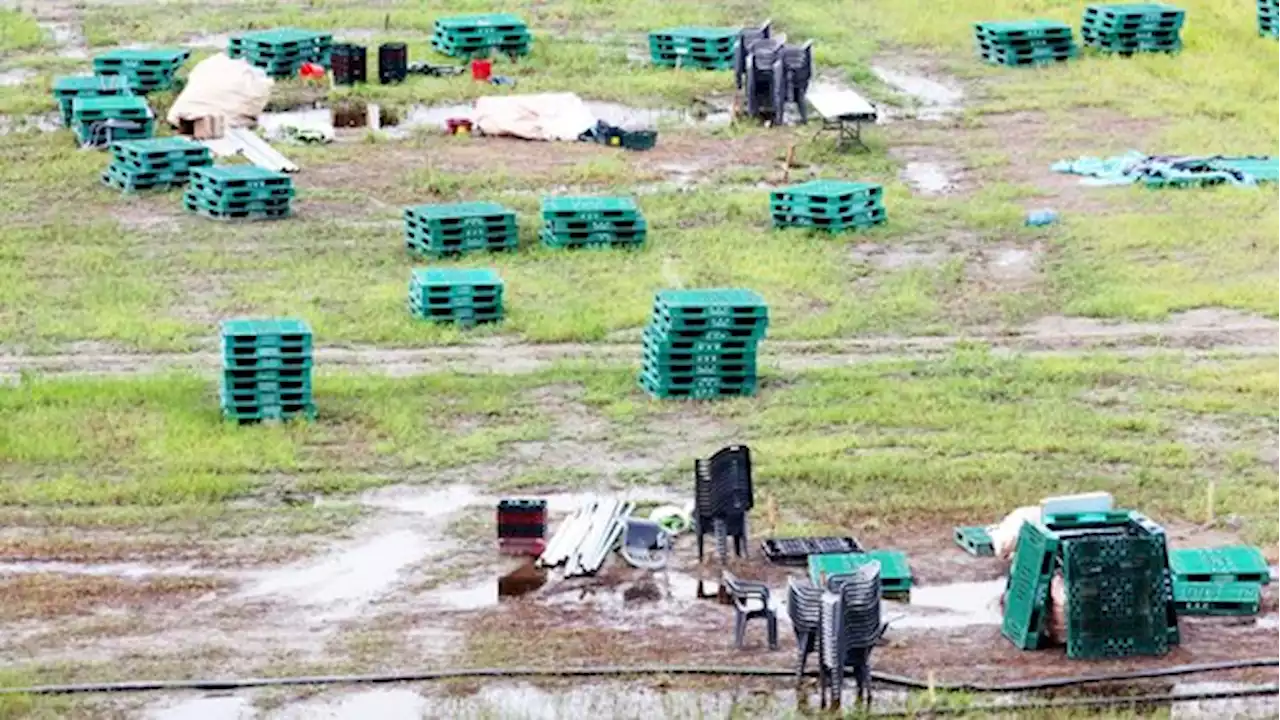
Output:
x=843 y=112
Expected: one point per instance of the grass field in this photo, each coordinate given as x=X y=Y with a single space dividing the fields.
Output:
x=139 y=469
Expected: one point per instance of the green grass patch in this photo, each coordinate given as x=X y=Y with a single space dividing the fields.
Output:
x=19 y=31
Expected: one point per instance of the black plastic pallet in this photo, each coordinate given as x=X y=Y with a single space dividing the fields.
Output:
x=795 y=551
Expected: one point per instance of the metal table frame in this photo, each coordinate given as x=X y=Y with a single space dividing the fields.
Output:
x=842 y=112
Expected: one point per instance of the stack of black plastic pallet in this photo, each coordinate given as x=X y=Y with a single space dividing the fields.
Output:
x=266 y=372
x=239 y=192
x=459 y=228
x=349 y=64
x=1269 y=18
x=1128 y=29
x=156 y=164
x=772 y=73
x=722 y=497
x=1027 y=42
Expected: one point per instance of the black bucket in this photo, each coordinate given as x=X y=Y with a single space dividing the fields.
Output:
x=393 y=62
x=348 y=64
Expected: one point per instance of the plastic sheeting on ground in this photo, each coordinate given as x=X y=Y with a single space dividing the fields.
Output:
x=222 y=87
x=1160 y=170
x=551 y=116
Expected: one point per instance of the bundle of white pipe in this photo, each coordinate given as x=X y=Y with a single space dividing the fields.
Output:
x=584 y=539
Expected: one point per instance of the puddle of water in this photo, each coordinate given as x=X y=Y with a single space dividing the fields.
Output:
x=948 y=606
x=432 y=503
x=349 y=578
x=937 y=100
x=15 y=76
x=45 y=122
x=204 y=708
x=275 y=123
x=928 y=178
x=475 y=596
x=617 y=114
x=382 y=704
x=68 y=38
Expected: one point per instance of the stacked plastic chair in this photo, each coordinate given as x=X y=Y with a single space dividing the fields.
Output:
x=830 y=657
x=860 y=626
x=748 y=38
x=804 y=609
x=772 y=73
x=723 y=495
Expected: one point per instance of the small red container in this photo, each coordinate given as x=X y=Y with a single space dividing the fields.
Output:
x=481 y=69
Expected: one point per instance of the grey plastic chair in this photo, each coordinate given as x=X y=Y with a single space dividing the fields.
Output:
x=861 y=627
x=804 y=608
x=645 y=544
x=750 y=600
x=830 y=651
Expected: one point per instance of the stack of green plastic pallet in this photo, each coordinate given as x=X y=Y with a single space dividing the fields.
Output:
x=1219 y=581
x=464 y=297
x=1115 y=568
x=1269 y=17
x=103 y=120
x=693 y=47
x=67 y=88
x=157 y=164
x=702 y=344
x=481 y=35
x=1127 y=29
x=574 y=222
x=444 y=230
x=238 y=192
x=832 y=205
x=283 y=51
x=1025 y=43
x=145 y=70
x=266 y=370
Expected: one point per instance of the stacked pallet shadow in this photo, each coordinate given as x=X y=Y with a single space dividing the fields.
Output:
x=1128 y=29
x=238 y=192
x=693 y=47
x=464 y=297
x=468 y=36
x=577 y=222
x=830 y=205
x=145 y=70
x=1218 y=581
x=158 y=164
x=266 y=371
x=1030 y=42
x=702 y=344
x=281 y=52
x=1115 y=566
x=459 y=228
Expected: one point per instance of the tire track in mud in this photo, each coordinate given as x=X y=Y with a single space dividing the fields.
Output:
x=1240 y=337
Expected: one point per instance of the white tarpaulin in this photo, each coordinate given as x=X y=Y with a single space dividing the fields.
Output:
x=220 y=87
x=552 y=116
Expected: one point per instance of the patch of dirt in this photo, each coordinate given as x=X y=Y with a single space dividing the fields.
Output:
x=47 y=596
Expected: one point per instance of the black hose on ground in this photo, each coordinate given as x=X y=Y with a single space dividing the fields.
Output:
x=613 y=671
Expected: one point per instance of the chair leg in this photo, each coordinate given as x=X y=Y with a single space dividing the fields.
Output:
x=804 y=646
x=739 y=628
x=772 y=620
x=701 y=535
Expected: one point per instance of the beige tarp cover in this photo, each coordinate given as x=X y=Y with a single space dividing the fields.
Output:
x=222 y=87
x=1004 y=539
x=552 y=116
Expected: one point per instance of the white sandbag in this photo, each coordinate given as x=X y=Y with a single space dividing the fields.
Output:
x=551 y=116
x=222 y=87
x=1057 y=620
x=1004 y=536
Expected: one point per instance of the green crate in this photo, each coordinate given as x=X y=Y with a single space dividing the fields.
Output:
x=1235 y=563
x=1116 y=596
x=1025 y=612
x=975 y=541
x=589 y=209
x=895 y=570
x=1218 y=598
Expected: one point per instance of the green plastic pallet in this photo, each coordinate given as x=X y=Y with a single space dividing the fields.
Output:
x=695 y=392
x=255 y=330
x=895 y=570
x=589 y=208
x=1022 y=29
x=826 y=192
x=457 y=277
x=1235 y=563
x=1218 y=598
x=238 y=177
x=975 y=541
x=1028 y=591
x=112 y=107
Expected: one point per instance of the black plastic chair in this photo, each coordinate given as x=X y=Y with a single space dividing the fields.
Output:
x=723 y=494
x=747 y=39
x=750 y=600
x=860 y=623
x=830 y=651
x=804 y=608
